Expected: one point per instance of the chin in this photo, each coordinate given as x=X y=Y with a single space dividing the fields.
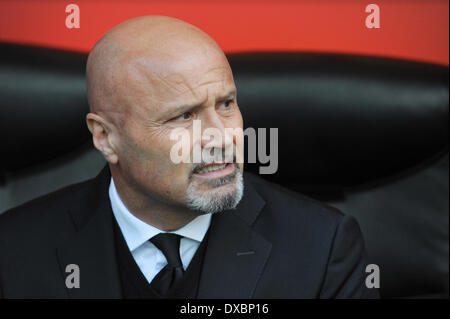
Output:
x=215 y=195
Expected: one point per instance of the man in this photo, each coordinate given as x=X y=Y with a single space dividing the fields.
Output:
x=147 y=227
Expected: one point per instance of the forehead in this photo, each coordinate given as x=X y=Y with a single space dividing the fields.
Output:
x=163 y=83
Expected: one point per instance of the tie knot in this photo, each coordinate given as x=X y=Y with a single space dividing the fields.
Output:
x=169 y=244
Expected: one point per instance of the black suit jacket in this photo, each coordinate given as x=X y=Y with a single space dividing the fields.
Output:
x=274 y=245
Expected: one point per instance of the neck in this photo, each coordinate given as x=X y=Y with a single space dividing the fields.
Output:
x=151 y=210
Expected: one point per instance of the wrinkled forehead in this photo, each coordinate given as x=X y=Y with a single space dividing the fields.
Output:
x=161 y=83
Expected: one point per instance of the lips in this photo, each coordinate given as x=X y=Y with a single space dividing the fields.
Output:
x=210 y=168
x=214 y=170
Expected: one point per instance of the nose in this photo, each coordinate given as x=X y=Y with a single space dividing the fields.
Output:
x=214 y=133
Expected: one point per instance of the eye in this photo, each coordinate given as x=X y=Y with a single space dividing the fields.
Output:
x=183 y=117
x=228 y=103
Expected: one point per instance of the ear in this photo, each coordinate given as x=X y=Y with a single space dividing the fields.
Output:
x=101 y=136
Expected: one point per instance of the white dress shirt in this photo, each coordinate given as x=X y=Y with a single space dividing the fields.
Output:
x=137 y=234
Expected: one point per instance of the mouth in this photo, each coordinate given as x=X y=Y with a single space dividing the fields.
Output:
x=214 y=170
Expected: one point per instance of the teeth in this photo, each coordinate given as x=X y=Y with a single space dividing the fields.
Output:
x=211 y=168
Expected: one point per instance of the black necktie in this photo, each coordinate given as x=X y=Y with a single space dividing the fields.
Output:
x=172 y=273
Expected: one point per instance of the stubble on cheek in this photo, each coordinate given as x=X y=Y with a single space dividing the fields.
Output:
x=155 y=173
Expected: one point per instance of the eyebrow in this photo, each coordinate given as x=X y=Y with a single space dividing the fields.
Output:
x=188 y=107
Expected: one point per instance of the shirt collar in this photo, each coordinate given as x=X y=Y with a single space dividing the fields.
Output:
x=136 y=232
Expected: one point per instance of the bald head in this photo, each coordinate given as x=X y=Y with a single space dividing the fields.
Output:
x=146 y=49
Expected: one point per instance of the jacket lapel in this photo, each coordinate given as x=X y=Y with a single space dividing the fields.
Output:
x=236 y=255
x=91 y=248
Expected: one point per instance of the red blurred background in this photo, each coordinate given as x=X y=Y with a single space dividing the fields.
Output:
x=414 y=29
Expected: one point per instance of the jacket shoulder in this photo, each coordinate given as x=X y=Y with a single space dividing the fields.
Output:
x=44 y=210
x=293 y=205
